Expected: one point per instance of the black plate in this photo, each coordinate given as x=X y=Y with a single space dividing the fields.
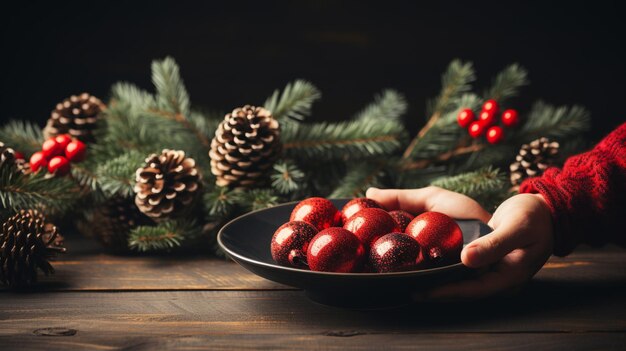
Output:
x=246 y=240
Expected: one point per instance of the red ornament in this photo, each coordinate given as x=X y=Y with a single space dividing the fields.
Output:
x=475 y=129
x=495 y=135
x=51 y=148
x=509 y=118
x=395 y=252
x=317 y=211
x=486 y=118
x=465 y=117
x=75 y=151
x=491 y=106
x=439 y=236
x=335 y=250
x=59 y=165
x=63 y=139
x=402 y=218
x=37 y=161
x=18 y=155
x=290 y=243
x=355 y=205
x=370 y=224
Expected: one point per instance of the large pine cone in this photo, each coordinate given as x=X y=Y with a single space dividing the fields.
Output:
x=533 y=159
x=9 y=159
x=245 y=147
x=76 y=116
x=27 y=243
x=167 y=184
x=113 y=221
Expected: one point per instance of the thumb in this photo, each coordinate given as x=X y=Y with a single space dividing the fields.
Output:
x=490 y=248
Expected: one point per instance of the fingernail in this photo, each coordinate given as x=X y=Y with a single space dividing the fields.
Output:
x=473 y=254
x=371 y=191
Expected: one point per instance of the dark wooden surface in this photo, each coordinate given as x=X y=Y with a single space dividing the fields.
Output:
x=104 y=302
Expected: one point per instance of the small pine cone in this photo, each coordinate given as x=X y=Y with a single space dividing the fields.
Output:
x=8 y=159
x=113 y=221
x=167 y=184
x=245 y=147
x=76 y=116
x=533 y=159
x=27 y=243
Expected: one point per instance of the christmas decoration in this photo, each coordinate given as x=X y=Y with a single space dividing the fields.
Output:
x=402 y=219
x=27 y=243
x=37 y=161
x=533 y=159
x=335 y=250
x=290 y=243
x=395 y=252
x=465 y=117
x=245 y=147
x=59 y=165
x=476 y=129
x=439 y=237
x=63 y=140
x=12 y=159
x=369 y=224
x=113 y=221
x=494 y=135
x=509 y=118
x=75 y=151
x=76 y=116
x=51 y=148
x=317 y=211
x=486 y=118
x=491 y=106
x=167 y=184
x=355 y=205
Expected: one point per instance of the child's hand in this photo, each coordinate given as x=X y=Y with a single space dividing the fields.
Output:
x=518 y=247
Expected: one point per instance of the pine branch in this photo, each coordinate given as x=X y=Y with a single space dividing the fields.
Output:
x=155 y=238
x=485 y=185
x=171 y=92
x=287 y=177
x=257 y=199
x=358 y=178
x=554 y=122
x=507 y=83
x=389 y=105
x=294 y=102
x=220 y=202
x=344 y=140
x=133 y=96
x=23 y=136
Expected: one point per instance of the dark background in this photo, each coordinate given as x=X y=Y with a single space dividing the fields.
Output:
x=238 y=52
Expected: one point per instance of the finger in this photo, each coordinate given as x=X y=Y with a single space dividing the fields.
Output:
x=429 y=199
x=492 y=247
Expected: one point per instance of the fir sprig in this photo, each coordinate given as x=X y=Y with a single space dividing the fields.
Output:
x=171 y=92
x=23 y=136
x=294 y=102
x=562 y=122
x=132 y=96
x=389 y=105
x=163 y=236
x=257 y=199
x=507 y=83
x=486 y=185
x=287 y=177
x=358 y=178
x=456 y=81
x=220 y=201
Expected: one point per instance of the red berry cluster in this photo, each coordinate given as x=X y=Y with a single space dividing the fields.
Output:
x=486 y=121
x=57 y=153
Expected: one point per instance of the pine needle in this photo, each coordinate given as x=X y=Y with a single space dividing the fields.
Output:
x=287 y=177
x=485 y=185
x=358 y=178
x=171 y=92
x=455 y=82
x=154 y=238
x=294 y=102
x=560 y=123
x=389 y=105
x=507 y=83
x=23 y=136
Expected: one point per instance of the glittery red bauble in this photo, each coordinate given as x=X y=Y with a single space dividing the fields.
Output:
x=290 y=243
x=335 y=250
x=402 y=218
x=465 y=117
x=495 y=135
x=37 y=161
x=370 y=224
x=491 y=106
x=355 y=205
x=75 y=151
x=486 y=118
x=475 y=129
x=317 y=211
x=59 y=165
x=439 y=236
x=51 y=148
x=509 y=118
x=395 y=252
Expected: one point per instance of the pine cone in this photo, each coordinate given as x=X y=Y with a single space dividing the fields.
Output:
x=167 y=184
x=8 y=159
x=113 y=221
x=533 y=159
x=245 y=146
x=76 y=116
x=27 y=243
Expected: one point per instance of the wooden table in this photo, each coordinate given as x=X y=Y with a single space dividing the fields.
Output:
x=103 y=302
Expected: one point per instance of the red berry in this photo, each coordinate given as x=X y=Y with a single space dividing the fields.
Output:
x=440 y=238
x=51 y=148
x=509 y=118
x=335 y=250
x=59 y=165
x=475 y=129
x=290 y=243
x=18 y=155
x=355 y=205
x=395 y=252
x=486 y=118
x=491 y=106
x=63 y=139
x=370 y=224
x=37 y=161
x=75 y=151
x=495 y=135
x=317 y=211
x=465 y=117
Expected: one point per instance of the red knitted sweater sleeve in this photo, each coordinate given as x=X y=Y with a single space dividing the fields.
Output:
x=587 y=197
